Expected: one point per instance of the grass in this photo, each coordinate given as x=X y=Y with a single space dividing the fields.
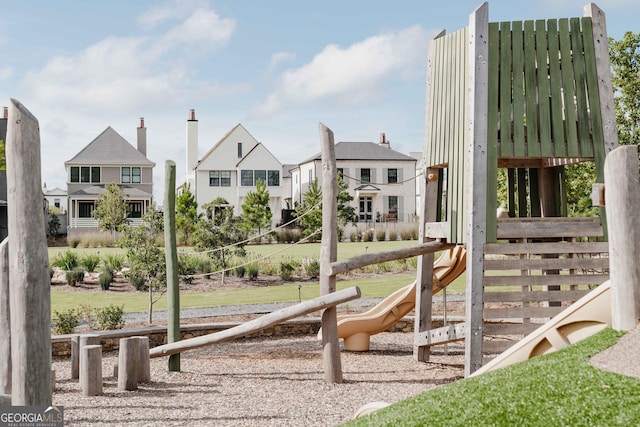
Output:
x=559 y=389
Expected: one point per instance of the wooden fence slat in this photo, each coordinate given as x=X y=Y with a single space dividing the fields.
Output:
x=568 y=89
x=584 y=134
x=548 y=279
x=544 y=114
x=555 y=80
x=503 y=71
x=597 y=136
x=546 y=264
x=509 y=328
x=530 y=85
x=546 y=228
x=517 y=47
x=521 y=312
x=494 y=347
x=546 y=248
x=534 y=296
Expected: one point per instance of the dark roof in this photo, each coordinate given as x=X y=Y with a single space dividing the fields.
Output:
x=110 y=148
x=363 y=151
x=286 y=170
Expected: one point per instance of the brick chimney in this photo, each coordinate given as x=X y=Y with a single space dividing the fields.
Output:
x=142 y=137
x=192 y=143
x=5 y=112
x=384 y=142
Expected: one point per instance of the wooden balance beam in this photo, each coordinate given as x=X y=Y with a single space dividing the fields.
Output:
x=258 y=324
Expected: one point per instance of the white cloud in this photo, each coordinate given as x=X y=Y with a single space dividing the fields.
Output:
x=172 y=10
x=280 y=57
x=202 y=26
x=353 y=71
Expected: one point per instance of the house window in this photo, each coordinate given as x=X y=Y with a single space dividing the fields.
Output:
x=260 y=175
x=85 y=209
x=134 y=210
x=274 y=179
x=239 y=149
x=219 y=178
x=131 y=175
x=392 y=176
x=56 y=203
x=365 y=175
x=310 y=175
x=246 y=177
x=85 y=174
x=393 y=209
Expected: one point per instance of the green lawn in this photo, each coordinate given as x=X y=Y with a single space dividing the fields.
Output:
x=559 y=389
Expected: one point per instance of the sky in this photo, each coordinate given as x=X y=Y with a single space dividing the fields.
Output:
x=278 y=67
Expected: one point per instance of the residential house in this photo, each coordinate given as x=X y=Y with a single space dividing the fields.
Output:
x=231 y=169
x=108 y=158
x=56 y=197
x=379 y=179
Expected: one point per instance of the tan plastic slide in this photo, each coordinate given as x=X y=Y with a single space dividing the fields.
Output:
x=585 y=317
x=356 y=329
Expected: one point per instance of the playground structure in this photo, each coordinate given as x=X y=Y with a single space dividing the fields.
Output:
x=356 y=329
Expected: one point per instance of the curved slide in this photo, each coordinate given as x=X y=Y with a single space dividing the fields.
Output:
x=356 y=329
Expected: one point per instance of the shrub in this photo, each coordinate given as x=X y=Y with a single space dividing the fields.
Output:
x=67 y=260
x=353 y=237
x=252 y=271
x=65 y=322
x=110 y=317
x=393 y=235
x=312 y=268
x=204 y=266
x=105 y=278
x=114 y=262
x=138 y=282
x=73 y=242
x=74 y=277
x=286 y=270
x=381 y=235
x=188 y=266
x=240 y=271
x=367 y=236
x=90 y=262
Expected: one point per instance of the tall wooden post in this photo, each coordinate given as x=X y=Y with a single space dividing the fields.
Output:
x=28 y=263
x=171 y=256
x=329 y=254
x=622 y=201
x=5 y=320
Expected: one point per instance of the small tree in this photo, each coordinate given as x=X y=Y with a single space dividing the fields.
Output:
x=309 y=211
x=186 y=214
x=146 y=258
x=53 y=226
x=111 y=209
x=625 y=67
x=256 y=215
x=346 y=212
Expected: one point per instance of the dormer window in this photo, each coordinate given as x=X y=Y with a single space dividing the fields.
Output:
x=89 y=174
x=131 y=175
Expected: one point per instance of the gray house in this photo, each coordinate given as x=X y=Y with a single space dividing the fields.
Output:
x=108 y=158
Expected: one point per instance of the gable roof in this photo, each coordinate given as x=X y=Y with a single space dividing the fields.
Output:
x=110 y=148
x=221 y=140
x=55 y=192
x=363 y=151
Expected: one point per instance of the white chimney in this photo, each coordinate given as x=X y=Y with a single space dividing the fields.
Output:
x=142 y=137
x=192 y=143
x=384 y=142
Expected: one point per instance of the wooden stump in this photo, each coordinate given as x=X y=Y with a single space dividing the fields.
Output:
x=144 y=361
x=127 y=364
x=91 y=371
x=75 y=357
x=83 y=341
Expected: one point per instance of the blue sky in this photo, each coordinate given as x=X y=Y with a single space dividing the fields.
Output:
x=278 y=67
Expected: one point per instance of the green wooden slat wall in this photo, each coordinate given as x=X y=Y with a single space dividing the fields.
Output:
x=447 y=116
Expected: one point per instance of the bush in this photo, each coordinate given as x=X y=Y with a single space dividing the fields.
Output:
x=381 y=235
x=367 y=236
x=137 y=281
x=393 y=235
x=252 y=271
x=205 y=266
x=286 y=270
x=73 y=242
x=74 y=277
x=188 y=266
x=240 y=271
x=67 y=260
x=353 y=237
x=65 y=322
x=90 y=262
x=110 y=317
x=114 y=262
x=105 y=278
x=312 y=268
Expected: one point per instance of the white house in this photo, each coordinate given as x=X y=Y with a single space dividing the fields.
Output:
x=56 y=197
x=381 y=180
x=231 y=169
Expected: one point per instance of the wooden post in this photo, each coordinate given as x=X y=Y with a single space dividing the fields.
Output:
x=328 y=254
x=5 y=320
x=260 y=323
x=28 y=263
x=622 y=201
x=91 y=375
x=476 y=198
x=171 y=257
x=75 y=357
x=83 y=341
x=127 y=364
x=144 y=365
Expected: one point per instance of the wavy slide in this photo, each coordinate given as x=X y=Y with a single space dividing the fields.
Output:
x=356 y=329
